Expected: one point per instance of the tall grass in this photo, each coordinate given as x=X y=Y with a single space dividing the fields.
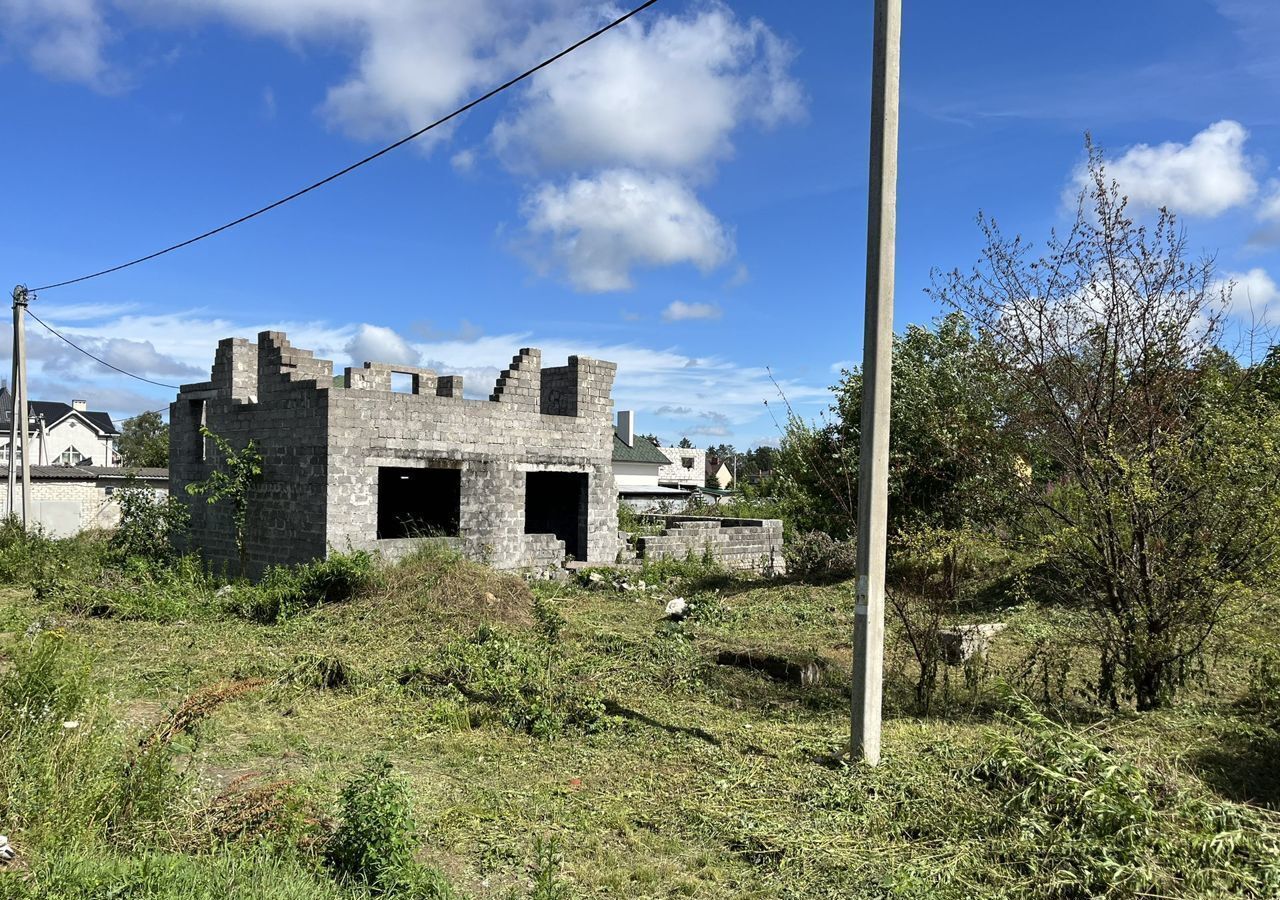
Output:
x=96 y=811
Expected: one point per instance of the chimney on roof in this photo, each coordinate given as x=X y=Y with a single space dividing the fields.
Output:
x=79 y=405
x=627 y=427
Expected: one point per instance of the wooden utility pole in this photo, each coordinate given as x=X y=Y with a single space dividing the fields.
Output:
x=877 y=367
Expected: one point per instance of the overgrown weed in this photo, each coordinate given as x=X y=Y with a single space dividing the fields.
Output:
x=1081 y=821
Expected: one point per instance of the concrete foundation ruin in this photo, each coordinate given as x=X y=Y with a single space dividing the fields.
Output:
x=519 y=480
x=753 y=545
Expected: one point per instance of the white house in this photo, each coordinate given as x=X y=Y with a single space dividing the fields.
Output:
x=719 y=474
x=62 y=434
x=636 y=463
x=685 y=468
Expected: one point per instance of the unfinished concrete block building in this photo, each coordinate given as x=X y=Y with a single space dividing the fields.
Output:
x=521 y=479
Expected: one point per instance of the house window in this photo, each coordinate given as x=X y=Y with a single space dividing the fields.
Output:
x=72 y=457
x=418 y=502
x=687 y=462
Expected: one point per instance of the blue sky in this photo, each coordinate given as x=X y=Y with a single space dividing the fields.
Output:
x=686 y=197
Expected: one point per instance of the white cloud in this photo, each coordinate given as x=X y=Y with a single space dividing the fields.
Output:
x=679 y=311
x=183 y=343
x=662 y=93
x=599 y=228
x=1255 y=297
x=414 y=61
x=1268 y=212
x=139 y=357
x=1205 y=177
x=1269 y=209
x=373 y=343
x=63 y=39
x=657 y=99
x=82 y=312
x=463 y=161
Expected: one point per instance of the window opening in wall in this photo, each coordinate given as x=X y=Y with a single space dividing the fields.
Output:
x=402 y=383
x=196 y=408
x=418 y=502
x=72 y=457
x=556 y=503
x=687 y=461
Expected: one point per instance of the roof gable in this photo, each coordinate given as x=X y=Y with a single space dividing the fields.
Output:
x=54 y=412
x=642 y=451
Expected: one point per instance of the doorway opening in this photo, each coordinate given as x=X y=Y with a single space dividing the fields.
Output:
x=556 y=503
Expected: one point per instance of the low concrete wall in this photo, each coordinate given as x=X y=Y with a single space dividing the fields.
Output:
x=64 y=507
x=750 y=544
x=538 y=551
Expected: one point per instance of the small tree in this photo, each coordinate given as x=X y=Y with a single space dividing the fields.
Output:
x=1154 y=465
x=240 y=470
x=144 y=441
x=150 y=525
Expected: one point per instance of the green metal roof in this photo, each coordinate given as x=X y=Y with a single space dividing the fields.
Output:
x=642 y=451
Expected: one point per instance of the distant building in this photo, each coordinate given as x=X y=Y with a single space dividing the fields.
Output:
x=685 y=468
x=718 y=474
x=637 y=464
x=62 y=434
x=66 y=500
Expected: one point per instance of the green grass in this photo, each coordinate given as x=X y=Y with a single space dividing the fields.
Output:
x=687 y=778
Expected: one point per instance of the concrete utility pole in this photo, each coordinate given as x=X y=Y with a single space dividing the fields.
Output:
x=20 y=299
x=19 y=304
x=877 y=367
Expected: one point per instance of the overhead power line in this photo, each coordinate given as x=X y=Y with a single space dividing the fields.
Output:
x=351 y=168
x=96 y=359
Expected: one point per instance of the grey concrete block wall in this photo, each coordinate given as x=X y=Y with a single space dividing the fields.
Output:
x=749 y=544
x=323 y=448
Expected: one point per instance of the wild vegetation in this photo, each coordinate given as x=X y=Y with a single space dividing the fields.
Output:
x=437 y=729
x=1075 y=457
x=1080 y=420
x=144 y=441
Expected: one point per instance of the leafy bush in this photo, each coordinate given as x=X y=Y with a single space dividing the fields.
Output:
x=375 y=839
x=547 y=861
x=31 y=557
x=130 y=574
x=150 y=526
x=634 y=523
x=286 y=591
x=817 y=555
x=139 y=588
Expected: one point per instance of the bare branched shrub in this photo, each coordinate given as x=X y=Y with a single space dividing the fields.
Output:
x=1153 y=469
